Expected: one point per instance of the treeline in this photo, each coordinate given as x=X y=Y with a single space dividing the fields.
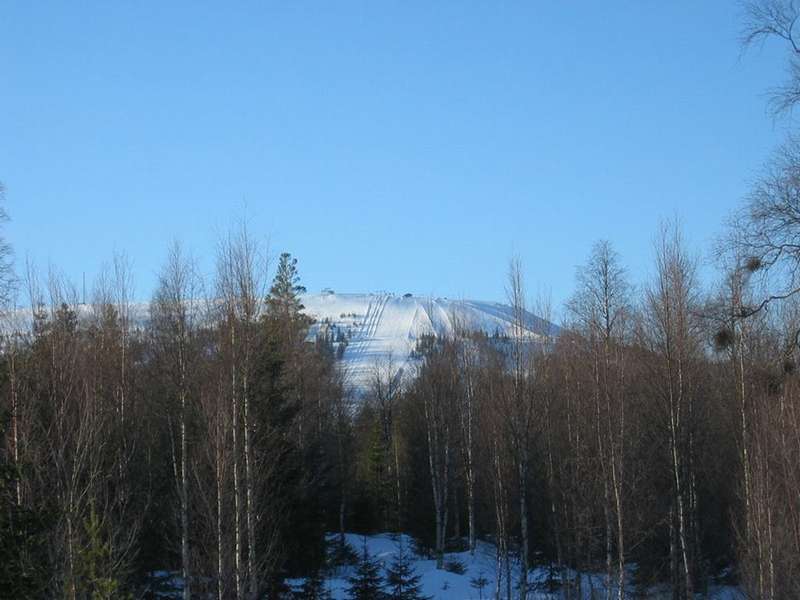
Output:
x=202 y=439
x=658 y=428
x=654 y=437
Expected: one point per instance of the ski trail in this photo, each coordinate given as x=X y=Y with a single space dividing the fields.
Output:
x=370 y=327
x=362 y=332
x=359 y=347
x=356 y=345
x=378 y=315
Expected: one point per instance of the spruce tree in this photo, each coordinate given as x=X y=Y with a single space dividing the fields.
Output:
x=95 y=563
x=280 y=398
x=367 y=583
x=314 y=588
x=284 y=295
x=401 y=578
x=479 y=583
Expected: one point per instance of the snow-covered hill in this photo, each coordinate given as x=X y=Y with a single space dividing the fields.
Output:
x=380 y=330
x=375 y=331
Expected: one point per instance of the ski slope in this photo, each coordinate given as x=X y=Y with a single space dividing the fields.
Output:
x=382 y=329
x=378 y=331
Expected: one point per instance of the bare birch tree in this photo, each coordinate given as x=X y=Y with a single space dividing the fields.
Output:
x=174 y=327
x=672 y=331
x=241 y=277
x=601 y=307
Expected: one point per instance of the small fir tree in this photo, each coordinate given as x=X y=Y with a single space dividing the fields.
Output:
x=401 y=578
x=367 y=583
x=94 y=563
x=314 y=588
x=479 y=583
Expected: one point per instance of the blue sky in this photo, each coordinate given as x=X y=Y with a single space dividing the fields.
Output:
x=406 y=146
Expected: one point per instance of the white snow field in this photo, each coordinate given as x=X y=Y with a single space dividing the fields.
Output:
x=446 y=585
x=382 y=329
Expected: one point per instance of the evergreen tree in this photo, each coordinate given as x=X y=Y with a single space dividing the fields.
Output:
x=314 y=588
x=402 y=579
x=94 y=563
x=23 y=564
x=284 y=295
x=367 y=583
x=286 y=400
x=479 y=583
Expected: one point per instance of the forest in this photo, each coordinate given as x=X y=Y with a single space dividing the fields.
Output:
x=658 y=427
x=652 y=437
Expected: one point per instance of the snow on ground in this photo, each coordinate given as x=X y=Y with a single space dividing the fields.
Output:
x=448 y=585
x=382 y=329
x=445 y=585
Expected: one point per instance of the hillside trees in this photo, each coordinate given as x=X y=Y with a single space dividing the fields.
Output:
x=519 y=400
x=601 y=308
x=470 y=355
x=654 y=429
x=760 y=352
x=436 y=389
x=240 y=271
x=174 y=330
x=300 y=399
x=384 y=390
x=671 y=335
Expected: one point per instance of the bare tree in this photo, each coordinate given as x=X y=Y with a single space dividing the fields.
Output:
x=601 y=307
x=672 y=331
x=174 y=327
x=494 y=428
x=765 y=231
x=241 y=277
x=435 y=386
x=765 y=19
x=520 y=405
x=8 y=280
x=386 y=386
x=469 y=355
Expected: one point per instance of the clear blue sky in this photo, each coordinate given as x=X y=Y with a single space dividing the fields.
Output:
x=408 y=146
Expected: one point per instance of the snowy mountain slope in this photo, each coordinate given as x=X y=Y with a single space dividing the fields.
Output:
x=375 y=331
x=380 y=330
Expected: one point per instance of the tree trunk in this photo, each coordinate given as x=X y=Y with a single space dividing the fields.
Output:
x=250 y=508
x=523 y=525
x=187 y=594
x=237 y=488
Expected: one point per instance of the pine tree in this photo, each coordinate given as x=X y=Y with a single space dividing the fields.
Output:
x=367 y=583
x=284 y=295
x=403 y=581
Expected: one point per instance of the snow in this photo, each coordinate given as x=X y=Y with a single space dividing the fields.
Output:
x=445 y=585
x=383 y=328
